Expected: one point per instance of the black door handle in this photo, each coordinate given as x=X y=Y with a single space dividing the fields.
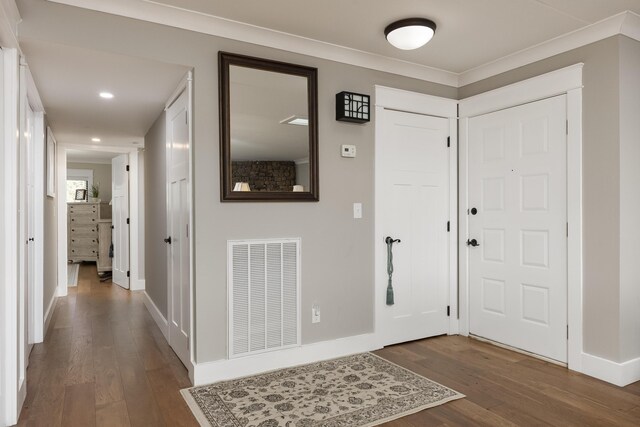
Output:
x=473 y=242
x=168 y=240
x=390 y=239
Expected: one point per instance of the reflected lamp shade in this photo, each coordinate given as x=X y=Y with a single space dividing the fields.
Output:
x=410 y=33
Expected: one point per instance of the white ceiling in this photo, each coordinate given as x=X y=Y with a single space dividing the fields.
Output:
x=69 y=80
x=470 y=33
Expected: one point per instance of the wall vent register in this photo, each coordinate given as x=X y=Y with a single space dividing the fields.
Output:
x=264 y=294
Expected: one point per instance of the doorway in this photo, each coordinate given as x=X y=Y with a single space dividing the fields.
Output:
x=102 y=223
x=542 y=114
x=415 y=193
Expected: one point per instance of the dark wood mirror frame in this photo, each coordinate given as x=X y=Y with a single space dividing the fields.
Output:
x=225 y=61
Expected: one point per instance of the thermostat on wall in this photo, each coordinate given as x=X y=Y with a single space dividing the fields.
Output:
x=348 y=150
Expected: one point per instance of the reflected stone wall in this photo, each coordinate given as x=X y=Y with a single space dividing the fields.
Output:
x=265 y=176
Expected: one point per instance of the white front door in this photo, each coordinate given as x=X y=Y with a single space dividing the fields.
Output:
x=518 y=218
x=178 y=187
x=120 y=219
x=412 y=171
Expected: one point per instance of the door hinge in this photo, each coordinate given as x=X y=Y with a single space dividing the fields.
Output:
x=448 y=141
x=128 y=273
x=187 y=231
x=127 y=168
x=127 y=221
x=567 y=229
x=567 y=127
x=448 y=226
x=567 y=331
x=448 y=310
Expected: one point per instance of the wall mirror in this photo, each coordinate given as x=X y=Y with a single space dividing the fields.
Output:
x=268 y=130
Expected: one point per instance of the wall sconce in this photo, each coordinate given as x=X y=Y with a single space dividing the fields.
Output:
x=352 y=107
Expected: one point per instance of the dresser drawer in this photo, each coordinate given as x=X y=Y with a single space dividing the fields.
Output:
x=83 y=230
x=83 y=209
x=84 y=241
x=82 y=251
x=83 y=220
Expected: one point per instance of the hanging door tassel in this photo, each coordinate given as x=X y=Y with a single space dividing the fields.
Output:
x=389 y=241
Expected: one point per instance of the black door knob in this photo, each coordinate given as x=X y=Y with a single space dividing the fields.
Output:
x=474 y=211
x=168 y=240
x=473 y=242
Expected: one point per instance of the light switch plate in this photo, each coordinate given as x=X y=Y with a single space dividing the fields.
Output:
x=315 y=313
x=357 y=210
x=348 y=150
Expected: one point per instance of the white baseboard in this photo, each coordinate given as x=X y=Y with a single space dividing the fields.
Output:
x=137 y=285
x=48 y=314
x=160 y=320
x=620 y=374
x=210 y=372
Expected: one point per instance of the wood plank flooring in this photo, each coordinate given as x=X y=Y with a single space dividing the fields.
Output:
x=105 y=363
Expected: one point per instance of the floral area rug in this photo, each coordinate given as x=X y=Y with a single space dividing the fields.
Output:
x=362 y=390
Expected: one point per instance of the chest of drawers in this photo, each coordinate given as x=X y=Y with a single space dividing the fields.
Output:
x=83 y=224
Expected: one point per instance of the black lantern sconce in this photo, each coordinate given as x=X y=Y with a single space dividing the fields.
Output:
x=352 y=107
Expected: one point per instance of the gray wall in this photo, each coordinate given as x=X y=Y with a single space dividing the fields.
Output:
x=337 y=251
x=50 y=267
x=101 y=174
x=629 y=198
x=155 y=218
x=605 y=178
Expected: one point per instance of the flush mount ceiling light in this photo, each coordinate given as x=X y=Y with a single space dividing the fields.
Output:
x=106 y=95
x=410 y=33
x=295 y=120
x=95 y=139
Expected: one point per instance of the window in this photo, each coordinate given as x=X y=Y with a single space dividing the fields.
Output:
x=78 y=179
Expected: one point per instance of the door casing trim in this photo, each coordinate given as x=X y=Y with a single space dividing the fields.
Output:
x=563 y=81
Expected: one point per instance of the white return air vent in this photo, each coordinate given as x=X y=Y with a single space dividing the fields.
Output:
x=264 y=295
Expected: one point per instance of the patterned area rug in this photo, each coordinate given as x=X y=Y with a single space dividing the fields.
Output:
x=362 y=390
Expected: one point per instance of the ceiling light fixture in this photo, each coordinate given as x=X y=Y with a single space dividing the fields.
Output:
x=295 y=120
x=95 y=139
x=410 y=33
x=106 y=95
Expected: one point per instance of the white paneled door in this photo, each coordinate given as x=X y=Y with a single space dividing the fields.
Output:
x=413 y=178
x=518 y=227
x=120 y=221
x=178 y=218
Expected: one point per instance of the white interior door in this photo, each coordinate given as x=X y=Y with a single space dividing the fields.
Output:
x=518 y=216
x=178 y=218
x=120 y=219
x=413 y=176
x=30 y=224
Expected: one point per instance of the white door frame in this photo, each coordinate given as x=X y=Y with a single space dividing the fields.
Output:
x=9 y=88
x=186 y=84
x=564 y=81
x=413 y=102
x=136 y=283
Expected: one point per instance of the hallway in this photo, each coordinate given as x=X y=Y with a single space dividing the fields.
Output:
x=104 y=362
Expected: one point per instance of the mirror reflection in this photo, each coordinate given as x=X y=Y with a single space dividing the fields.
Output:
x=269 y=131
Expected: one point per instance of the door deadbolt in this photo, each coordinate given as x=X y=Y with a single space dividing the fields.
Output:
x=474 y=211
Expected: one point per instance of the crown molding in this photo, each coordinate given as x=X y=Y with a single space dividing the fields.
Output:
x=626 y=23
x=147 y=10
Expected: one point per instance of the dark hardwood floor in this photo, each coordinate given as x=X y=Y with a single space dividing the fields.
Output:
x=105 y=363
